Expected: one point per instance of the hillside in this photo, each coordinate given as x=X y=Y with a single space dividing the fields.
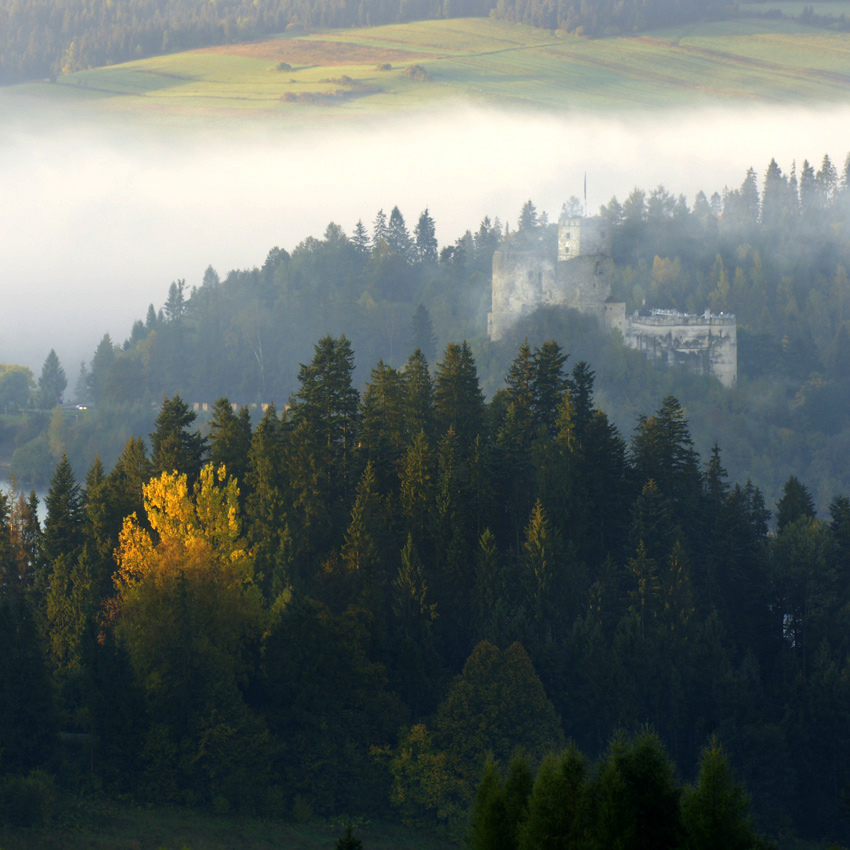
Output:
x=359 y=73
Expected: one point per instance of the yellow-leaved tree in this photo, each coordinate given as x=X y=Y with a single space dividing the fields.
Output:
x=189 y=613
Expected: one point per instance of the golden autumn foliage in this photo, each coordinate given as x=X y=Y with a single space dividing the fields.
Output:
x=187 y=598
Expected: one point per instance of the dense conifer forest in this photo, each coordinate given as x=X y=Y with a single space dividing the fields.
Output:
x=345 y=608
x=348 y=600
x=774 y=252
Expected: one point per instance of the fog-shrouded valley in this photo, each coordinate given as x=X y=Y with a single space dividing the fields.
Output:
x=98 y=222
x=424 y=433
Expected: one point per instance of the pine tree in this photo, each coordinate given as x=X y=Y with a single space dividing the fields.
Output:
x=458 y=400
x=418 y=395
x=360 y=238
x=425 y=239
x=383 y=431
x=348 y=841
x=398 y=236
x=63 y=525
x=559 y=807
x=174 y=447
x=488 y=819
x=549 y=384
x=637 y=796
x=422 y=332
x=230 y=440
x=52 y=382
x=796 y=502
x=326 y=407
x=715 y=811
x=101 y=364
x=380 y=231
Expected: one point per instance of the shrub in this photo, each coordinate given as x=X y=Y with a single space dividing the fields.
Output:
x=27 y=800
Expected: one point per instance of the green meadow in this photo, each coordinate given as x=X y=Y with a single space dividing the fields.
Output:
x=303 y=77
x=100 y=824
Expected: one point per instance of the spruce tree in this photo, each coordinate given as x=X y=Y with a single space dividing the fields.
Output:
x=174 y=448
x=52 y=382
x=230 y=440
x=715 y=811
x=458 y=400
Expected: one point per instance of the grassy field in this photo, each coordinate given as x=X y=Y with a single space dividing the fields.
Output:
x=361 y=72
x=101 y=825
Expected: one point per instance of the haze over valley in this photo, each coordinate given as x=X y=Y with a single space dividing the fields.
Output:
x=414 y=404
x=98 y=220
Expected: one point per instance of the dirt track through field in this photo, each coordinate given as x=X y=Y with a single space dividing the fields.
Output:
x=315 y=51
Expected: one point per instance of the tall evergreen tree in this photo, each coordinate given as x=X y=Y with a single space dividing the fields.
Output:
x=230 y=440
x=458 y=400
x=52 y=381
x=174 y=447
x=425 y=239
x=715 y=811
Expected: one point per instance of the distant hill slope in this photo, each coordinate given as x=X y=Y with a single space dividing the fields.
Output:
x=357 y=72
x=40 y=38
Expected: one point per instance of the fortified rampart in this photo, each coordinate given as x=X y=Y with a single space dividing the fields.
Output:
x=706 y=344
x=580 y=278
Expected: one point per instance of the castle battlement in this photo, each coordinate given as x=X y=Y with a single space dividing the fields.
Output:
x=661 y=318
x=579 y=277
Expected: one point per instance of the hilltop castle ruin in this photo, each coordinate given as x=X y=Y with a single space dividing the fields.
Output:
x=579 y=277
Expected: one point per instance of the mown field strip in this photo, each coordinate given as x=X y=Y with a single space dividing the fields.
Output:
x=300 y=77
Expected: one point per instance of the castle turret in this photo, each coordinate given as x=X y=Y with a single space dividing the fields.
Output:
x=579 y=276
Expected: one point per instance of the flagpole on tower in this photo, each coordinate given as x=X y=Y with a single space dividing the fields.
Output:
x=585 y=194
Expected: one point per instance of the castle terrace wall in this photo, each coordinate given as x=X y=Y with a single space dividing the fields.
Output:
x=705 y=344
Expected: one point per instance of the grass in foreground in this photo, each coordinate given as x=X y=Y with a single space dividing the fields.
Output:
x=91 y=824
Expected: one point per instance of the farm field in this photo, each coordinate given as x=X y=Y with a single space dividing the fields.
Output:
x=358 y=73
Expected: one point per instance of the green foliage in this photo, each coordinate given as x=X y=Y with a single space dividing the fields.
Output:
x=559 y=809
x=173 y=447
x=637 y=796
x=51 y=382
x=16 y=386
x=27 y=801
x=495 y=705
x=715 y=811
x=348 y=841
x=488 y=820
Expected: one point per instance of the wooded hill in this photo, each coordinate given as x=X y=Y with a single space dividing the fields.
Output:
x=345 y=608
x=774 y=252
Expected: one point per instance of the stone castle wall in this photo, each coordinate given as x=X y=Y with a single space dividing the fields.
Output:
x=706 y=344
x=580 y=278
x=523 y=281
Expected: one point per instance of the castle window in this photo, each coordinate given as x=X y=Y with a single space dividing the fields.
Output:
x=597 y=267
x=567 y=249
x=568 y=235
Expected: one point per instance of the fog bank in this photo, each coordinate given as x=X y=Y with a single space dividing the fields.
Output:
x=97 y=222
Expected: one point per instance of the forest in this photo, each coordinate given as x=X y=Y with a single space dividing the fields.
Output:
x=774 y=251
x=351 y=605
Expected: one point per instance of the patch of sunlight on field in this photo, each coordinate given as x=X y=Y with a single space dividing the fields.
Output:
x=482 y=60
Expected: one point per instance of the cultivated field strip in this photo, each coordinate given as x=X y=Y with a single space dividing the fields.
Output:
x=299 y=77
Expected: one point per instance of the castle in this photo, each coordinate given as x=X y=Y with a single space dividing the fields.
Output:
x=579 y=277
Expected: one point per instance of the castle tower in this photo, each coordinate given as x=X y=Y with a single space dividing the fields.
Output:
x=584 y=263
x=578 y=276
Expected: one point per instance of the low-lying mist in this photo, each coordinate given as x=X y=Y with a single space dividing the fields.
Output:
x=96 y=221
